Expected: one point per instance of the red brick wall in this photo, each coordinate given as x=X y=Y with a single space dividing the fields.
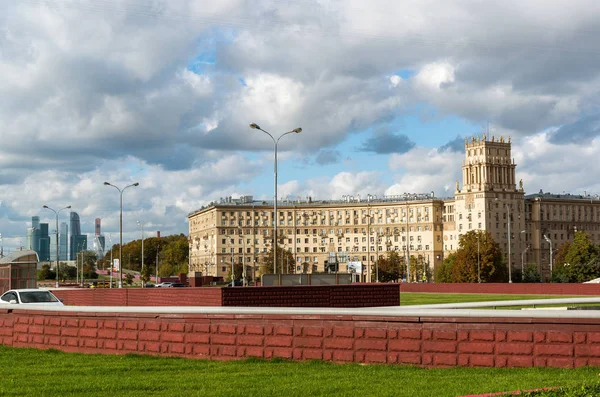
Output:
x=429 y=342
x=140 y=296
x=504 y=288
x=355 y=295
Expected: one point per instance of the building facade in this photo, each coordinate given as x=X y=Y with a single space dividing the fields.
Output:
x=420 y=227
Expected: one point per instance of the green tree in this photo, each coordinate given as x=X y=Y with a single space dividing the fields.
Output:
x=46 y=273
x=128 y=278
x=444 y=271
x=284 y=257
x=478 y=246
x=391 y=267
x=88 y=258
x=531 y=274
x=581 y=259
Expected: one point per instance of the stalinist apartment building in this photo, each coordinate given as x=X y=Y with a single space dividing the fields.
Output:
x=348 y=235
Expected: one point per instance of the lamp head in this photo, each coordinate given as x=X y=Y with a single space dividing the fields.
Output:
x=254 y=126
x=297 y=130
x=136 y=184
x=106 y=183
x=68 y=206
x=45 y=206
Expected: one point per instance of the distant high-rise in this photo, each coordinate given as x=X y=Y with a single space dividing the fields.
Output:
x=63 y=242
x=44 y=243
x=97 y=228
x=75 y=225
x=77 y=240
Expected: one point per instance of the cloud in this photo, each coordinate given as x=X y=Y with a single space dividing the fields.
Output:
x=384 y=141
x=325 y=157
x=455 y=145
x=581 y=132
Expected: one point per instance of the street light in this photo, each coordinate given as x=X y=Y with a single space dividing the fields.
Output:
x=111 y=260
x=550 y=242
x=275 y=142
x=142 y=269
x=56 y=213
x=121 y=230
x=522 y=260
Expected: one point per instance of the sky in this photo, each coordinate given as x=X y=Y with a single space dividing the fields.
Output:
x=162 y=92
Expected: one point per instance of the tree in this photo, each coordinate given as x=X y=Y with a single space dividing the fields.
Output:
x=46 y=273
x=478 y=246
x=444 y=271
x=581 y=259
x=531 y=274
x=88 y=258
x=128 y=278
x=284 y=257
x=391 y=267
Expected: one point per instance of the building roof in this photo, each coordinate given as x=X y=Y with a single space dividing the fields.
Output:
x=248 y=201
x=14 y=257
x=565 y=196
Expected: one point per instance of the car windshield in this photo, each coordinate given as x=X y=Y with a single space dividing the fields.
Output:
x=37 y=296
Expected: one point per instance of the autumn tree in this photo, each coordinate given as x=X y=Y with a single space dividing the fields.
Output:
x=391 y=267
x=285 y=259
x=478 y=255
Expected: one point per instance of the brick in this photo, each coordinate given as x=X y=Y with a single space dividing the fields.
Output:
x=250 y=340
x=479 y=360
x=519 y=336
x=444 y=359
x=476 y=348
x=519 y=361
x=223 y=339
x=439 y=347
x=553 y=350
x=279 y=341
x=338 y=343
x=197 y=338
x=514 y=348
x=308 y=342
x=375 y=357
x=177 y=327
x=88 y=333
x=107 y=334
x=404 y=345
x=150 y=336
x=560 y=337
x=561 y=362
x=254 y=330
x=444 y=335
x=409 y=358
x=410 y=333
x=375 y=333
x=341 y=356
x=127 y=335
x=587 y=351
x=282 y=330
x=371 y=344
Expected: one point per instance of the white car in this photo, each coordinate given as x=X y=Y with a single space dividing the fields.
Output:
x=29 y=296
x=164 y=285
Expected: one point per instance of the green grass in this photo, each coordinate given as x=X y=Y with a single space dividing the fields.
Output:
x=30 y=372
x=423 y=298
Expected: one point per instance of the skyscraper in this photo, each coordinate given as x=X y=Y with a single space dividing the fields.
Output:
x=63 y=242
x=78 y=241
x=44 y=243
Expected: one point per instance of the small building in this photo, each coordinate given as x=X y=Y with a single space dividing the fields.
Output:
x=18 y=270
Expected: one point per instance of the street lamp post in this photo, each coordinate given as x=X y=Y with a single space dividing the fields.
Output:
x=56 y=213
x=550 y=242
x=522 y=261
x=121 y=230
x=368 y=269
x=142 y=269
x=377 y=256
x=275 y=142
x=111 y=261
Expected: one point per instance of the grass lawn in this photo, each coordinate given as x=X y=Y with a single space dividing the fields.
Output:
x=30 y=372
x=424 y=298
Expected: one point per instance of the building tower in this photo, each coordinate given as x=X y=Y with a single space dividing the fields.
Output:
x=63 y=242
x=490 y=197
x=78 y=241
